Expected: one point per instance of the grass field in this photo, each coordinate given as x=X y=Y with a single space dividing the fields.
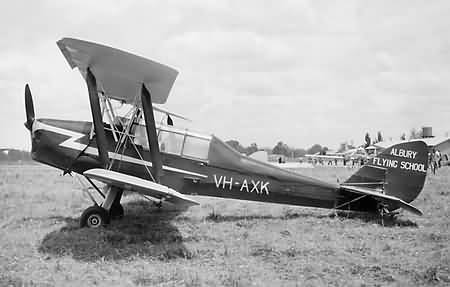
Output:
x=219 y=243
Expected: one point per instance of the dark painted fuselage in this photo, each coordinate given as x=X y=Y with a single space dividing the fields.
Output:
x=225 y=173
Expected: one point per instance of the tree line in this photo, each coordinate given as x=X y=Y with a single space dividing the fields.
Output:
x=14 y=155
x=280 y=148
x=286 y=150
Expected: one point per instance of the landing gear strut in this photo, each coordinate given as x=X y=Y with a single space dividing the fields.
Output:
x=383 y=211
x=97 y=216
x=116 y=211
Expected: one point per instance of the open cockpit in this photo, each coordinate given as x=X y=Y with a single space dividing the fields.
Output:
x=172 y=140
x=128 y=123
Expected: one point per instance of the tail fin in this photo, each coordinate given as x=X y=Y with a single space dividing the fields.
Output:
x=400 y=170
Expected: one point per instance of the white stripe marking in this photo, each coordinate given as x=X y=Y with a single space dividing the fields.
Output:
x=72 y=144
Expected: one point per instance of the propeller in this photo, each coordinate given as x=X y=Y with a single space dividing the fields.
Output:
x=29 y=108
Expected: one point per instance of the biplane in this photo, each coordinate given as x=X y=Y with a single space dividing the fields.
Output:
x=350 y=154
x=168 y=164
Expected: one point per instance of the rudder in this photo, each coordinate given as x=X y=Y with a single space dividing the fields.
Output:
x=399 y=170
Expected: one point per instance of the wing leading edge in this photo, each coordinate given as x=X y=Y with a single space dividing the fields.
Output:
x=383 y=198
x=140 y=185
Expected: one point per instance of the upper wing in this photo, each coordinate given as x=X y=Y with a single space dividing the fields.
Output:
x=140 y=185
x=119 y=74
x=382 y=197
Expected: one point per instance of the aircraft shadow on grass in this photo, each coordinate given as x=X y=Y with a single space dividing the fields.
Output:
x=144 y=232
x=215 y=217
x=148 y=232
x=388 y=221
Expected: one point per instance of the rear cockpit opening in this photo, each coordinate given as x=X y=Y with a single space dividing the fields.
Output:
x=181 y=142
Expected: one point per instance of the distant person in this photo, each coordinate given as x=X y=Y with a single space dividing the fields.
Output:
x=438 y=159
x=429 y=159
x=432 y=161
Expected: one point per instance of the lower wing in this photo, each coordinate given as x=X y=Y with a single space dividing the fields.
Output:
x=136 y=184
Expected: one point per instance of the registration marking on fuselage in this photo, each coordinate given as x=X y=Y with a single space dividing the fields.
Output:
x=247 y=185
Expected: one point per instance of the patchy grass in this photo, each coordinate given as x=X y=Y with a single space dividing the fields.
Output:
x=219 y=243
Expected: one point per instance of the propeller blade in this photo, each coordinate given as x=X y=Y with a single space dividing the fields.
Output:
x=29 y=108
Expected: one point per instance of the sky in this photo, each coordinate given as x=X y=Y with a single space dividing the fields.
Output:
x=301 y=72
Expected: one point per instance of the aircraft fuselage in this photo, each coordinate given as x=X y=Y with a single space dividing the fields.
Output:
x=67 y=145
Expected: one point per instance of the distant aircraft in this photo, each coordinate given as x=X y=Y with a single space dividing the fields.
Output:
x=167 y=164
x=350 y=154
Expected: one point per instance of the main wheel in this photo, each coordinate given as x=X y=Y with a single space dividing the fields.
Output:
x=94 y=217
x=116 y=211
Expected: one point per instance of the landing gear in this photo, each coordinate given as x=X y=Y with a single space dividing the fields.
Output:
x=116 y=211
x=383 y=211
x=97 y=216
x=112 y=202
x=94 y=217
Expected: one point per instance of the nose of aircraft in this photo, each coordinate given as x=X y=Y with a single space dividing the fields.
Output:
x=29 y=108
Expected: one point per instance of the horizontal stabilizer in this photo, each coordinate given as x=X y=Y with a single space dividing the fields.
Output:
x=136 y=184
x=389 y=199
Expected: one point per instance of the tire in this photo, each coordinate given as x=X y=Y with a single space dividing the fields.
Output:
x=94 y=217
x=116 y=211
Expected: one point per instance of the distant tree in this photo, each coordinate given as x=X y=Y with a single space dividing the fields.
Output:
x=367 y=139
x=281 y=148
x=345 y=146
x=415 y=134
x=379 y=137
x=342 y=147
x=14 y=155
x=252 y=149
x=237 y=146
x=403 y=137
x=299 y=152
x=316 y=148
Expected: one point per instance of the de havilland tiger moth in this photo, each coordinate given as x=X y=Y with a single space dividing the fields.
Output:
x=167 y=164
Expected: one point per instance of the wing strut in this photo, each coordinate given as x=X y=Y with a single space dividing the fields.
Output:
x=100 y=135
x=151 y=133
